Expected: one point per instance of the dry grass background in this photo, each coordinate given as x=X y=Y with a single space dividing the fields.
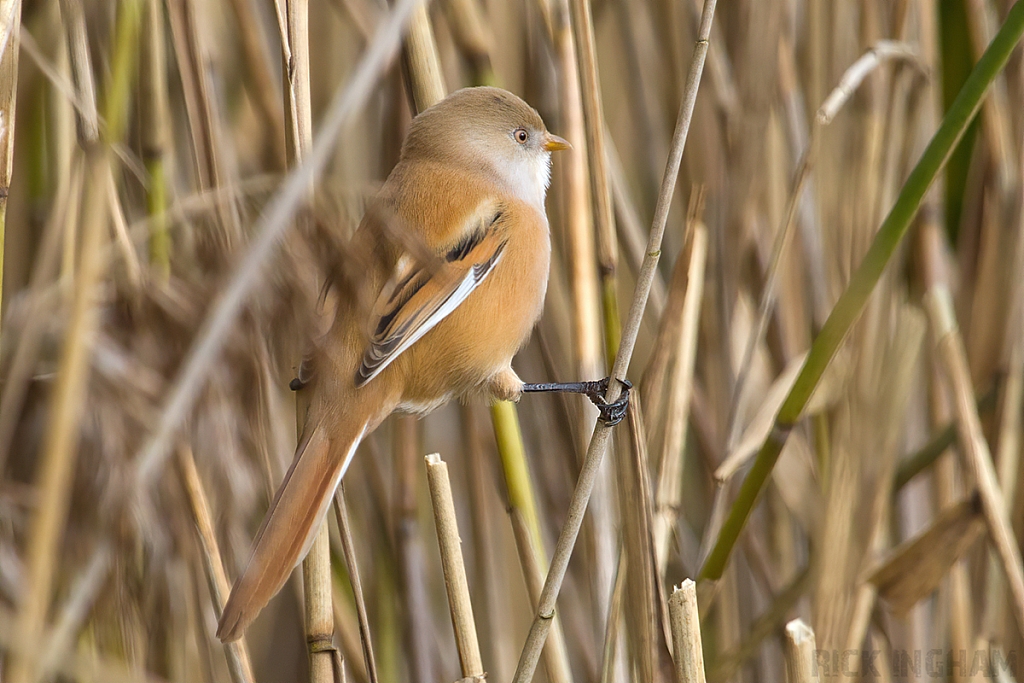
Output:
x=152 y=143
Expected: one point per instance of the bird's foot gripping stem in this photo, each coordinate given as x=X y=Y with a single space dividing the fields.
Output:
x=610 y=413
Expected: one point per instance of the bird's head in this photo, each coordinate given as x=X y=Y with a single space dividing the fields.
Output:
x=490 y=130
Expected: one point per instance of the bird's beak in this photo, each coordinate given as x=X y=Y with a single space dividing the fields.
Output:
x=553 y=143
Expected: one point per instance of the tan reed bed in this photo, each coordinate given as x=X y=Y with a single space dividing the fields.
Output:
x=827 y=434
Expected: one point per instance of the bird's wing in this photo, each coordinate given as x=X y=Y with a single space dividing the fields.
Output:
x=422 y=297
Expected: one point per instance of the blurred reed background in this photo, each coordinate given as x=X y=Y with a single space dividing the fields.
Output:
x=149 y=139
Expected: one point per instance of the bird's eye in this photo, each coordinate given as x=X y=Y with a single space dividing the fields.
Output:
x=521 y=135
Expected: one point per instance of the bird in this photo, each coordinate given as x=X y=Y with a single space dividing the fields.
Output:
x=450 y=301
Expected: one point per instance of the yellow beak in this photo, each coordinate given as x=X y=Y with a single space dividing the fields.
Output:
x=553 y=143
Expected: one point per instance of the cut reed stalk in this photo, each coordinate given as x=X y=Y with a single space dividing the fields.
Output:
x=239 y=663
x=10 y=26
x=456 y=585
x=687 y=648
x=801 y=666
x=599 y=441
x=850 y=305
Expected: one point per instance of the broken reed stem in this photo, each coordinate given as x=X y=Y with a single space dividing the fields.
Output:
x=599 y=441
x=455 y=583
x=10 y=25
x=677 y=415
x=239 y=663
x=348 y=548
x=939 y=304
x=526 y=526
x=600 y=191
x=800 y=650
x=686 y=640
x=851 y=303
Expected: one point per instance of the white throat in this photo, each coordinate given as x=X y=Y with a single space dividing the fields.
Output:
x=528 y=177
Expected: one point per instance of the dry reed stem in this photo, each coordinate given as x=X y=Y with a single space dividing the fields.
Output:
x=677 y=414
x=10 y=24
x=455 y=583
x=687 y=648
x=420 y=650
x=637 y=579
x=422 y=63
x=60 y=446
x=28 y=347
x=347 y=630
x=265 y=92
x=319 y=622
x=997 y=125
x=599 y=441
x=659 y=362
x=86 y=116
x=237 y=653
x=600 y=191
x=576 y=205
x=522 y=509
x=800 y=652
x=976 y=452
x=631 y=232
x=349 y=549
x=1008 y=470
x=881 y=52
x=316 y=567
x=156 y=135
x=490 y=577
x=201 y=108
x=472 y=37
x=76 y=611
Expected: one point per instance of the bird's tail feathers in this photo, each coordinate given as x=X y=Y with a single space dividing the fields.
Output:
x=290 y=524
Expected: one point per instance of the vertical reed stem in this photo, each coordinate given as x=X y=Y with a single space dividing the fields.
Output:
x=800 y=649
x=455 y=582
x=686 y=639
x=239 y=663
x=10 y=28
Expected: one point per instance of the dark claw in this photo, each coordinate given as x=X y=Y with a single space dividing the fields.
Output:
x=296 y=384
x=610 y=413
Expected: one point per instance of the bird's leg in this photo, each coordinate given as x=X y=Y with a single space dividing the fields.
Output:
x=611 y=413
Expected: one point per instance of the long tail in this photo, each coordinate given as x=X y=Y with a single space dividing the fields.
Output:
x=291 y=522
